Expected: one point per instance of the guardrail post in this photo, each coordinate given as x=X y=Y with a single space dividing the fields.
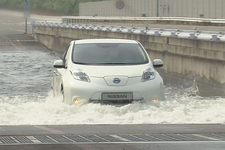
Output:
x=157 y=33
x=143 y=31
x=215 y=37
x=32 y=28
x=173 y=34
x=193 y=36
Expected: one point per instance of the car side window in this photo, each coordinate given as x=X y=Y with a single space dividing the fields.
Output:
x=65 y=55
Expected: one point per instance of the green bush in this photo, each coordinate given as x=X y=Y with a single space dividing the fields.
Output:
x=65 y=7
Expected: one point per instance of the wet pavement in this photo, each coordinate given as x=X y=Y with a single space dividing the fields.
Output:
x=95 y=137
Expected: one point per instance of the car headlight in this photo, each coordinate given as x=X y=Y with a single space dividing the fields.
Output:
x=148 y=74
x=79 y=74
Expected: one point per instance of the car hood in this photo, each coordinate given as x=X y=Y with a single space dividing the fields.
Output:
x=103 y=71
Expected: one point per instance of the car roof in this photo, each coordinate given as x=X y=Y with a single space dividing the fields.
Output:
x=86 y=41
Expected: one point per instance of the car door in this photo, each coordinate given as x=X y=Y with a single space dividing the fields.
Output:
x=58 y=74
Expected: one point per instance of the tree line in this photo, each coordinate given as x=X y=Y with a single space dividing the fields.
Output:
x=64 y=7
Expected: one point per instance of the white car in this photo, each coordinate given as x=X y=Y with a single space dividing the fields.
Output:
x=107 y=70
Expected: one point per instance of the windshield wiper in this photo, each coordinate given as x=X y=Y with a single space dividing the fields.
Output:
x=82 y=63
x=116 y=64
x=102 y=64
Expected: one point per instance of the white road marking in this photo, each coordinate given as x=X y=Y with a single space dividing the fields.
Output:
x=210 y=138
x=33 y=139
x=120 y=138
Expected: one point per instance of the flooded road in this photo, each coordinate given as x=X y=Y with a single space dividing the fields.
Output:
x=26 y=99
x=27 y=106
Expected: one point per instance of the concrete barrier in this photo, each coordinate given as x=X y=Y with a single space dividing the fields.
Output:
x=187 y=61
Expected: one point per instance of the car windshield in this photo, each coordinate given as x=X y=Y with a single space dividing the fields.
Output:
x=109 y=54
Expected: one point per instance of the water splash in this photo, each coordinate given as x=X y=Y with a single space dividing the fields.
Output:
x=181 y=107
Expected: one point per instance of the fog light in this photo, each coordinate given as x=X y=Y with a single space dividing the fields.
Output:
x=155 y=100
x=76 y=100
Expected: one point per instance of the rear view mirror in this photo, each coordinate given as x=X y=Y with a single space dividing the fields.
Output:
x=59 y=64
x=157 y=63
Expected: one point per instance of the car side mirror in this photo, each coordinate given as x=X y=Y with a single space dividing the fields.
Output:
x=59 y=64
x=157 y=63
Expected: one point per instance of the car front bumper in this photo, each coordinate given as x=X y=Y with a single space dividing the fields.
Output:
x=146 y=91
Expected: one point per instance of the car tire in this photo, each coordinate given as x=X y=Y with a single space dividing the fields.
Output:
x=62 y=92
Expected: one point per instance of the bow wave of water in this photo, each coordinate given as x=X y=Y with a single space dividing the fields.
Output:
x=181 y=107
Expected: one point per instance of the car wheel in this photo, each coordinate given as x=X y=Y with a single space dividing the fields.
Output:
x=62 y=92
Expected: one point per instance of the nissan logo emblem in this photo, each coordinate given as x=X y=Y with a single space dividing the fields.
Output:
x=116 y=80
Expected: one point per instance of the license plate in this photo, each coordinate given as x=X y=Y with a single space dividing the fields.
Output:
x=117 y=96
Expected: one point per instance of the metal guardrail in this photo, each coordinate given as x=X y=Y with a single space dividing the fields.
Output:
x=68 y=19
x=190 y=34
